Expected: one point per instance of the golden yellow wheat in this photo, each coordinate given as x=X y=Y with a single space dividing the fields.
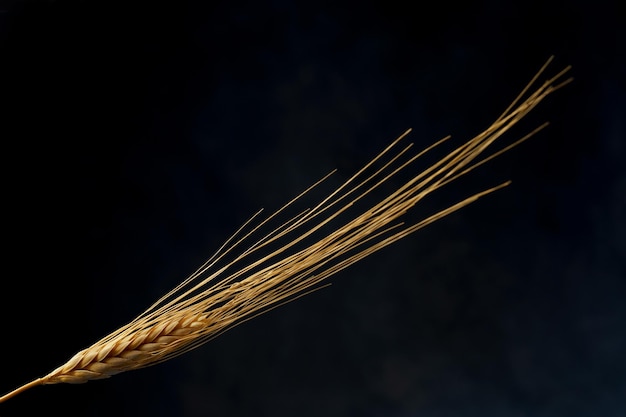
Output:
x=255 y=271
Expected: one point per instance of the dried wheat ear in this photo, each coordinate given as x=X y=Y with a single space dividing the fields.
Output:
x=255 y=271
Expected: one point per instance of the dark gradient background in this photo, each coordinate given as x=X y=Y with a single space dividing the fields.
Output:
x=136 y=138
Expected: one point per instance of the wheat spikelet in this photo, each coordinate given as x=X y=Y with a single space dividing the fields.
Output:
x=250 y=274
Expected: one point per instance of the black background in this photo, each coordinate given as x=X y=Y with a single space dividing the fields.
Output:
x=136 y=137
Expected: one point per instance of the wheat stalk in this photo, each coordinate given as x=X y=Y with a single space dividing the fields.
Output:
x=249 y=274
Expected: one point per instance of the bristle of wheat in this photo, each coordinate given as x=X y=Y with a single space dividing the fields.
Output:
x=222 y=294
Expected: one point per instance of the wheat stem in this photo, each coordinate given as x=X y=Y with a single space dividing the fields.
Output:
x=23 y=388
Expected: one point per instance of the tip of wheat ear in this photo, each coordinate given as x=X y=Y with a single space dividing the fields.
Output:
x=255 y=271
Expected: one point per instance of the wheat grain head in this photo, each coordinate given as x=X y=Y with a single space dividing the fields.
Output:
x=256 y=271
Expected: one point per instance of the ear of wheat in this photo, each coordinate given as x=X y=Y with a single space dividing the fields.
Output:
x=254 y=271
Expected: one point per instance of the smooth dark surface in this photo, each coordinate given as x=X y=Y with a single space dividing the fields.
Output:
x=137 y=138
